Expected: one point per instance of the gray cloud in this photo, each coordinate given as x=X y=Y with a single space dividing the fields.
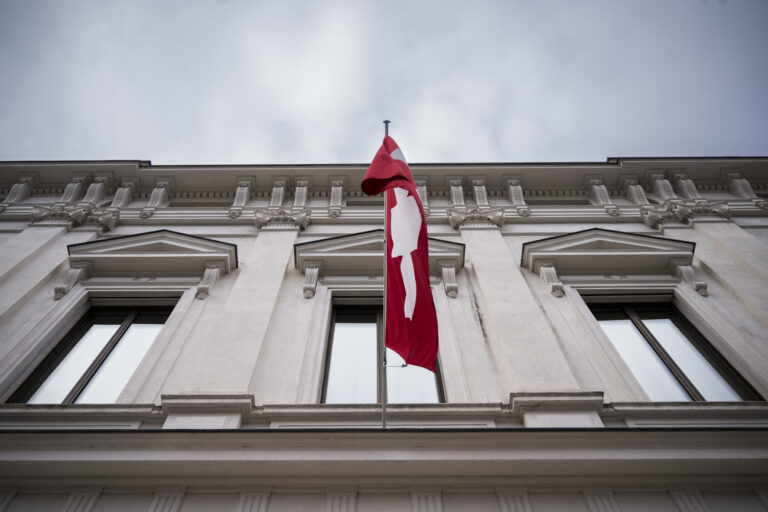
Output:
x=295 y=82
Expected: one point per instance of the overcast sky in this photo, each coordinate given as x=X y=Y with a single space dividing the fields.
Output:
x=216 y=82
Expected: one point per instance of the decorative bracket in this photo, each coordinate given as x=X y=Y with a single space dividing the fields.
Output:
x=661 y=186
x=457 y=193
x=476 y=218
x=280 y=220
x=210 y=276
x=688 y=274
x=337 y=191
x=421 y=188
x=159 y=198
x=633 y=190
x=548 y=273
x=740 y=187
x=686 y=188
x=516 y=197
x=598 y=194
x=449 y=279
x=19 y=192
x=242 y=194
x=311 y=274
x=72 y=192
x=300 y=195
x=480 y=194
x=124 y=194
x=277 y=196
x=77 y=273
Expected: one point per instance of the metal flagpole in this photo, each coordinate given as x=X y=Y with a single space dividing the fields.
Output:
x=383 y=355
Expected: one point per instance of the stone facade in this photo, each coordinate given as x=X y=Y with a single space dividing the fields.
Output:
x=540 y=411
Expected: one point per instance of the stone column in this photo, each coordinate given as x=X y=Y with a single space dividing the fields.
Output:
x=526 y=346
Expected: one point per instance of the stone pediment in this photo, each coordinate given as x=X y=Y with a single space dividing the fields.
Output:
x=160 y=253
x=362 y=254
x=603 y=252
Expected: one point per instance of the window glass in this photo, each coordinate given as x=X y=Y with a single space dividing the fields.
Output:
x=352 y=369
x=695 y=366
x=353 y=365
x=112 y=376
x=63 y=378
x=647 y=367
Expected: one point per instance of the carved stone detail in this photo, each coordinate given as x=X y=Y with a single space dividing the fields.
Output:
x=211 y=275
x=253 y=501
x=166 y=501
x=740 y=187
x=635 y=193
x=688 y=274
x=277 y=196
x=480 y=194
x=475 y=217
x=426 y=501
x=159 y=198
x=598 y=194
x=280 y=220
x=689 y=501
x=334 y=205
x=457 y=193
x=311 y=274
x=601 y=501
x=341 y=501
x=19 y=192
x=77 y=273
x=300 y=195
x=516 y=197
x=81 y=501
x=549 y=275
x=242 y=194
x=449 y=280
x=95 y=193
x=687 y=188
x=123 y=195
x=513 y=501
x=421 y=188
x=73 y=217
x=72 y=192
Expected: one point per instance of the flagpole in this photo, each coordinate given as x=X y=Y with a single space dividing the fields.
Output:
x=383 y=355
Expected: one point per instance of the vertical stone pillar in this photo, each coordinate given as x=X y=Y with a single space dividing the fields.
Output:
x=526 y=346
x=220 y=357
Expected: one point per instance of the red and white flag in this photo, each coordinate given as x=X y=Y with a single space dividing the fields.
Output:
x=411 y=323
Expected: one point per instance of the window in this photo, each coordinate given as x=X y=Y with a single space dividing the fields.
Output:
x=95 y=360
x=352 y=367
x=668 y=356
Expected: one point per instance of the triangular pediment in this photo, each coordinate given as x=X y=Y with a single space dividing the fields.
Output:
x=362 y=254
x=600 y=251
x=153 y=254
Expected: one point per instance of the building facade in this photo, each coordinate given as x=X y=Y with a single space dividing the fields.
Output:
x=184 y=338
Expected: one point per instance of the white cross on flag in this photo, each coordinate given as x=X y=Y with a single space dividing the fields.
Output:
x=411 y=323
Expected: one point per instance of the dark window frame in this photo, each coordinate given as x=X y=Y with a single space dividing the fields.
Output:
x=366 y=308
x=125 y=316
x=636 y=312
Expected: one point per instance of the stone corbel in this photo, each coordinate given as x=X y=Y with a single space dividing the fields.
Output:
x=77 y=273
x=516 y=197
x=210 y=276
x=124 y=194
x=334 y=203
x=740 y=187
x=449 y=279
x=421 y=188
x=300 y=195
x=480 y=194
x=457 y=193
x=72 y=192
x=633 y=190
x=242 y=194
x=549 y=275
x=277 y=196
x=685 y=187
x=311 y=275
x=19 y=192
x=475 y=218
x=280 y=220
x=661 y=187
x=598 y=194
x=159 y=198
x=688 y=274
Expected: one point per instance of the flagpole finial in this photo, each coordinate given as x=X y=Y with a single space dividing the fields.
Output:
x=386 y=126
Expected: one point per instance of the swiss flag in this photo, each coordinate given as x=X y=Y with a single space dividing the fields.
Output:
x=411 y=323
